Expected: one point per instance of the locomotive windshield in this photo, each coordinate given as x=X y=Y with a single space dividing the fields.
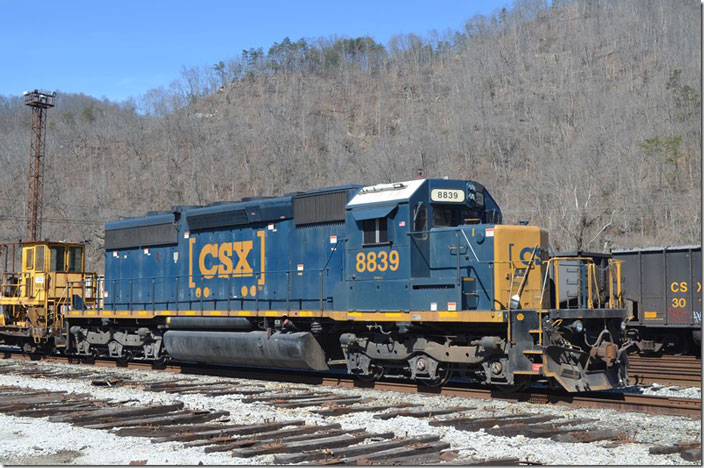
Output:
x=453 y=215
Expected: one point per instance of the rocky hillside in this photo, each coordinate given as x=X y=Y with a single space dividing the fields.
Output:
x=583 y=117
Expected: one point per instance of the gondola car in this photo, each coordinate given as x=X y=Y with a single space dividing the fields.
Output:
x=663 y=293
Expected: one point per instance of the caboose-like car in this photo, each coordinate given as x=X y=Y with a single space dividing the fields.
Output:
x=416 y=280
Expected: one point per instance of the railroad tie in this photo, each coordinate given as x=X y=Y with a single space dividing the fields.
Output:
x=320 y=456
x=225 y=443
x=689 y=451
x=279 y=398
x=190 y=435
x=426 y=458
x=306 y=433
x=164 y=431
x=476 y=424
x=329 y=442
x=422 y=413
x=343 y=409
x=322 y=402
x=88 y=417
x=385 y=457
x=178 y=417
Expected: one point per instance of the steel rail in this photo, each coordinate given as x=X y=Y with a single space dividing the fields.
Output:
x=668 y=370
x=623 y=402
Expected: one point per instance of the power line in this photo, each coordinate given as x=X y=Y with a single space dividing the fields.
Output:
x=98 y=222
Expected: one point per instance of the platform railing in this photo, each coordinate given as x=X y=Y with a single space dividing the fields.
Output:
x=589 y=290
x=165 y=292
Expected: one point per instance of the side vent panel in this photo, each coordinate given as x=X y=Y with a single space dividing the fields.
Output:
x=218 y=219
x=320 y=208
x=142 y=236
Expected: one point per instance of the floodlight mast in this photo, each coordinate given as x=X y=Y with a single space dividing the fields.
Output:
x=39 y=101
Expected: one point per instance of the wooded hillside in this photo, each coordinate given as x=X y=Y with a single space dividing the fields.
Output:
x=582 y=117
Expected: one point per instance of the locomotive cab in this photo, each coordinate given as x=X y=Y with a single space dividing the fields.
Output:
x=407 y=244
x=436 y=250
x=49 y=280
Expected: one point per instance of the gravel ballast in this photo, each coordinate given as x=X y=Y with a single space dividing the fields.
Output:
x=38 y=441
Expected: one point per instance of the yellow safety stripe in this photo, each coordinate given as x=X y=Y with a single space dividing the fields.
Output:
x=412 y=316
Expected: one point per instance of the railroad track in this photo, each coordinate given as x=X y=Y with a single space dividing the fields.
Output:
x=625 y=402
x=683 y=371
x=322 y=441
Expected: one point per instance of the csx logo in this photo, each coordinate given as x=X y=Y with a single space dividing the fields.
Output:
x=221 y=260
x=540 y=255
x=229 y=259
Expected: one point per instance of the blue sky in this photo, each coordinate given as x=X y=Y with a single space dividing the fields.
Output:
x=120 y=49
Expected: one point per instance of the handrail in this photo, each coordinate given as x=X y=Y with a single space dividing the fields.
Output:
x=200 y=280
x=592 y=285
x=469 y=244
x=450 y=229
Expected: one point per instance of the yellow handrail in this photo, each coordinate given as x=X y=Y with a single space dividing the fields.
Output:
x=591 y=283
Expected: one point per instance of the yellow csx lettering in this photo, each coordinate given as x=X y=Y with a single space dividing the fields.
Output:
x=223 y=253
x=678 y=287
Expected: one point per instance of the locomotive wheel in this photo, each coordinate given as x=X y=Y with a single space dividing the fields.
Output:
x=125 y=358
x=90 y=359
x=376 y=374
x=444 y=374
x=162 y=362
x=30 y=349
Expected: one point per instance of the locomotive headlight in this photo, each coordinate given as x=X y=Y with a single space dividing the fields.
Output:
x=623 y=325
x=577 y=326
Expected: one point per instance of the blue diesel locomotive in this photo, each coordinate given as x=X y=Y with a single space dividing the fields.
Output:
x=417 y=280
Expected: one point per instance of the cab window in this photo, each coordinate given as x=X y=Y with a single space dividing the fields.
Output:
x=420 y=220
x=375 y=231
x=444 y=216
x=75 y=255
x=29 y=259
x=452 y=216
x=57 y=258
x=472 y=217
x=39 y=258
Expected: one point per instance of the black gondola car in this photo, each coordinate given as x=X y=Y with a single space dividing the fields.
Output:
x=663 y=290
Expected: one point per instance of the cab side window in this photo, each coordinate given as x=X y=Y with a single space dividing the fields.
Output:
x=57 y=259
x=420 y=220
x=75 y=255
x=375 y=231
x=29 y=259
x=39 y=258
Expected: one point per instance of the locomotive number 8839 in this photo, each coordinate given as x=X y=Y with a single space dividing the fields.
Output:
x=417 y=280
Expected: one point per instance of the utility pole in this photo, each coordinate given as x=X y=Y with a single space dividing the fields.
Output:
x=39 y=102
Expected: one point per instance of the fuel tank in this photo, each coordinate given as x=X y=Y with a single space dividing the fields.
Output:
x=298 y=350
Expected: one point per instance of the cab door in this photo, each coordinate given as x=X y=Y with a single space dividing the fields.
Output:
x=27 y=279
x=420 y=245
x=33 y=279
x=377 y=258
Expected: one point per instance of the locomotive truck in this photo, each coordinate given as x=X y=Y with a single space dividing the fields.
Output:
x=417 y=280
